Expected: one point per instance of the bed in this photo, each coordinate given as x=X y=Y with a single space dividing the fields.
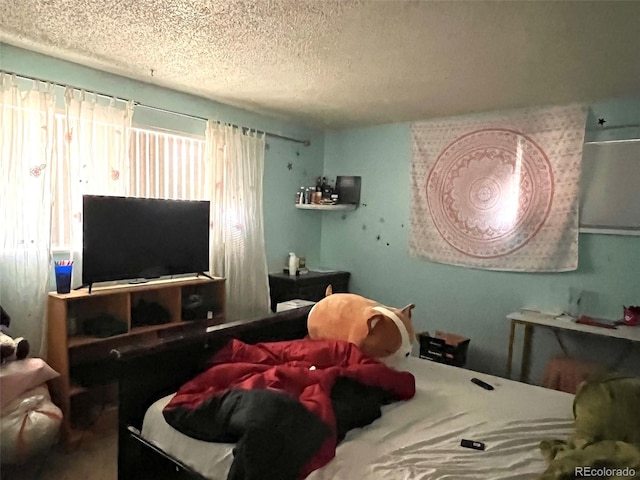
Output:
x=414 y=439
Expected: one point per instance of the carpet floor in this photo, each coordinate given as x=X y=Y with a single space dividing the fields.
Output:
x=94 y=458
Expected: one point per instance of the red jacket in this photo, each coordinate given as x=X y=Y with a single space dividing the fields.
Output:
x=303 y=369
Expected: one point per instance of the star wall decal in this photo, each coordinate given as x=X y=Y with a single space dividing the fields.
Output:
x=601 y=121
x=289 y=166
x=378 y=238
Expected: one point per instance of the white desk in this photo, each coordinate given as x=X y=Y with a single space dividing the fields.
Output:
x=530 y=319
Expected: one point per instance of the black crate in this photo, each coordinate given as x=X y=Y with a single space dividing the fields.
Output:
x=438 y=350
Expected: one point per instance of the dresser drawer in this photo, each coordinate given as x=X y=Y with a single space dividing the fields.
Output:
x=310 y=286
x=313 y=292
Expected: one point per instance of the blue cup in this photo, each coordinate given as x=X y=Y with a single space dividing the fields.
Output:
x=63 y=278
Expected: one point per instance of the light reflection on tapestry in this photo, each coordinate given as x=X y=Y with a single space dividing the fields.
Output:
x=498 y=191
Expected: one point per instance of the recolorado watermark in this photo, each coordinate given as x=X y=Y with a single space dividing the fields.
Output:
x=604 y=472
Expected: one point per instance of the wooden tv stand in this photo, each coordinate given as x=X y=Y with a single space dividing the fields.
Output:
x=87 y=371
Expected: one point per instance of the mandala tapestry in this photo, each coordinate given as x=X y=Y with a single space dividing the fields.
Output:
x=498 y=192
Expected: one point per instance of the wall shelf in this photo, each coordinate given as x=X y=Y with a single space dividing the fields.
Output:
x=340 y=206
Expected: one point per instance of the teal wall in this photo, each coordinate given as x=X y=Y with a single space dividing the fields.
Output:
x=371 y=242
x=286 y=229
x=466 y=301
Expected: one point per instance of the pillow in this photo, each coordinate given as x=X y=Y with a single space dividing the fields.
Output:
x=21 y=375
x=381 y=332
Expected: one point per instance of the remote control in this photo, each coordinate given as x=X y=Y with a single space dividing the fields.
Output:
x=482 y=384
x=472 y=444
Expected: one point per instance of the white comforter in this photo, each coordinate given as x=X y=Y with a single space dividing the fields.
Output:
x=420 y=439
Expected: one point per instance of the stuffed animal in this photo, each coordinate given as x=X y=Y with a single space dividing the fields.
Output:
x=10 y=348
x=379 y=331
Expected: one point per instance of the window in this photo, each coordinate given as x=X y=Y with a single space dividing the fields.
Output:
x=165 y=165
x=160 y=165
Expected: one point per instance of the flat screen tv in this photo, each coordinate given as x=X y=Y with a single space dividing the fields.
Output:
x=140 y=238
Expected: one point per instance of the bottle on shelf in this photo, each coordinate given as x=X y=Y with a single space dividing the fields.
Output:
x=325 y=188
x=334 y=192
x=316 y=196
x=300 y=195
x=293 y=264
x=307 y=196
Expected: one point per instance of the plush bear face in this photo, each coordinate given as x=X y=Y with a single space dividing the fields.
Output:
x=379 y=331
x=7 y=347
x=390 y=332
x=12 y=349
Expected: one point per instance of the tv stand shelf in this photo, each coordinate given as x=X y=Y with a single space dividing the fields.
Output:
x=83 y=361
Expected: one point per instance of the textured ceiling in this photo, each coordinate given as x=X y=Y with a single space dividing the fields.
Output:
x=333 y=64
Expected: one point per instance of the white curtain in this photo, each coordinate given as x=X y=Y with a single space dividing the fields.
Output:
x=234 y=168
x=96 y=159
x=27 y=151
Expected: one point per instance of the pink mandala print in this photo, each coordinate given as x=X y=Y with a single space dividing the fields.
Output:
x=489 y=192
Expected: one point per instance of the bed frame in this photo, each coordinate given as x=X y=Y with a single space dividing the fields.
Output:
x=150 y=371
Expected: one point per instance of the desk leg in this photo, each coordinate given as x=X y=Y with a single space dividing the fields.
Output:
x=510 y=356
x=526 y=354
